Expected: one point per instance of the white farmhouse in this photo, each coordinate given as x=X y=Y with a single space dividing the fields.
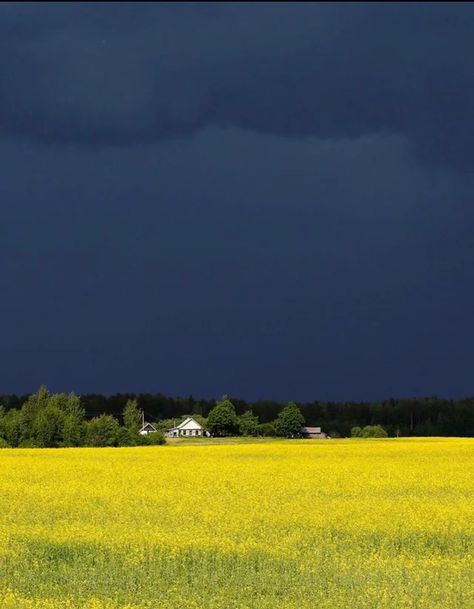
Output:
x=189 y=427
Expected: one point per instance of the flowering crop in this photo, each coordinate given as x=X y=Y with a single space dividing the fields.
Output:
x=360 y=524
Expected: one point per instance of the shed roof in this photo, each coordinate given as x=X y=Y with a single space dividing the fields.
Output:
x=147 y=427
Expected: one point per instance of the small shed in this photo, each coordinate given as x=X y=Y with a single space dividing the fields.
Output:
x=189 y=427
x=313 y=433
x=147 y=428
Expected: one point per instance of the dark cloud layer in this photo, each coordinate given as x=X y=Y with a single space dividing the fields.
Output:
x=261 y=200
x=231 y=262
x=128 y=74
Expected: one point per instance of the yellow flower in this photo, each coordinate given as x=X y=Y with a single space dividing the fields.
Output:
x=267 y=525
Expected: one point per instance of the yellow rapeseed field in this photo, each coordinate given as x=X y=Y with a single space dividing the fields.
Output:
x=349 y=524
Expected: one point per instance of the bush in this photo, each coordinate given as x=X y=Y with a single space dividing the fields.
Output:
x=153 y=439
x=356 y=432
x=28 y=444
x=4 y=443
x=127 y=437
x=102 y=431
x=266 y=430
x=374 y=431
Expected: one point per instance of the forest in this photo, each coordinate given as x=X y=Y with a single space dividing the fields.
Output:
x=428 y=416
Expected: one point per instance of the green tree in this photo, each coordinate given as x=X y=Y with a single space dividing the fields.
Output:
x=356 y=432
x=102 y=431
x=289 y=421
x=248 y=424
x=126 y=438
x=52 y=419
x=11 y=426
x=222 y=420
x=70 y=403
x=30 y=411
x=132 y=417
x=73 y=431
x=49 y=426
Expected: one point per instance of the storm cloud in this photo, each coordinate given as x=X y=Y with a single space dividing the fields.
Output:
x=264 y=200
x=128 y=74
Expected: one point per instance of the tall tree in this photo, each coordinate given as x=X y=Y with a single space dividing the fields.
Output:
x=222 y=420
x=74 y=421
x=132 y=417
x=248 y=424
x=289 y=421
x=30 y=411
x=49 y=426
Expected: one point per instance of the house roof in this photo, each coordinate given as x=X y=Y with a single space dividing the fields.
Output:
x=186 y=423
x=311 y=430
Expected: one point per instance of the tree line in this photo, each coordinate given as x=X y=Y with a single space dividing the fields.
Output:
x=76 y=419
x=47 y=420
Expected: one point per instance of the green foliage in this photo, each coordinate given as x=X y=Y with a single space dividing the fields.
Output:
x=126 y=437
x=222 y=420
x=4 y=443
x=2 y=418
x=74 y=421
x=10 y=427
x=132 y=417
x=48 y=426
x=47 y=419
x=289 y=421
x=373 y=431
x=153 y=439
x=248 y=424
x=266 y=430
x=73 y=431
x=102 y=431
x=165 y=424
x=51 y=420
x=398 y=416
x=30 y=411
x=369 y=431
x=28 y=444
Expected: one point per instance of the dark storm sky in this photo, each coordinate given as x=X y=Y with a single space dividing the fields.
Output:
x=260 y=200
